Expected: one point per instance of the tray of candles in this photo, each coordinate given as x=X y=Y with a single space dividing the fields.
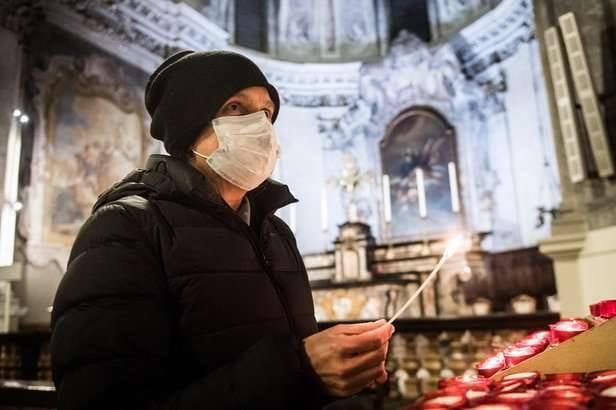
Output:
x=570 y=365
x=571 y=345
x=525 y=391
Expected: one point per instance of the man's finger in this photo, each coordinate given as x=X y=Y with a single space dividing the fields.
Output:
x=369 y=340
x=358 y=364
x=358 y=328
x=363 y=379
x=382 y=378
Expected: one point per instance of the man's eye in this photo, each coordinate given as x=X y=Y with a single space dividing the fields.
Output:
x=233 y=107
x=268 y=114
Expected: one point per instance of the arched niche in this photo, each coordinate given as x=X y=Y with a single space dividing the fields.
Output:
x=421 y=138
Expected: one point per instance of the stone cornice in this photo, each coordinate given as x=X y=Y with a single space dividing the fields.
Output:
x=311 y=85
x=141 y=32
x=495 y=36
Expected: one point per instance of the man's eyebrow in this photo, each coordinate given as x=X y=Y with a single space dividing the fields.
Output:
x=243 y=96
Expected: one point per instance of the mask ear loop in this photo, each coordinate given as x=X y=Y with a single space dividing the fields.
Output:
x=220 y=147
x=206 y=157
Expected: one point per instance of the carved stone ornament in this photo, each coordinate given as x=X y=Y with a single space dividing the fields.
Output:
x=143 y=32
x=495 y=37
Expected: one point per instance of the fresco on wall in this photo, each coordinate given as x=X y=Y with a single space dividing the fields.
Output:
x=419 y=140
x=92 y=142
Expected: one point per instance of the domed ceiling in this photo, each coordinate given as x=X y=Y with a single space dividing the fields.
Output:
x=336 y=30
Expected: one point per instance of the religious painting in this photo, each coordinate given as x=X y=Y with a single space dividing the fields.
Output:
x=94 y=137
x=418 y=154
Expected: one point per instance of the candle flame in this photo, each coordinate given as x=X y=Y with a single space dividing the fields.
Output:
x=452 y=246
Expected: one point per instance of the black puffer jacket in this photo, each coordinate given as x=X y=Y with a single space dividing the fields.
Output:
x=171 y=301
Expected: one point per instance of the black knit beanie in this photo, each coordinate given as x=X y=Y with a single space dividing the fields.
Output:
x=184 y=93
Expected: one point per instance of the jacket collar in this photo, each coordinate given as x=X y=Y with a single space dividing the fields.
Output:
x=182 y=179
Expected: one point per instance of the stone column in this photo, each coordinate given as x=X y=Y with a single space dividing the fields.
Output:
x=583 y=251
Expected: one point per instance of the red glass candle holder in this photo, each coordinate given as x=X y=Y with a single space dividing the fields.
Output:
x=491 y=365
x=560 y=385
x=476 y=396
x=518 y=398
x=517 y=354
x=510 y=386
x=605 y=309
x=538 y=340
x=528 y=378
x=542 y=336
x=576 y=395
x=568 y=328
x=601 y=380
x=564 y=377
x=465 y=382
x=606 y=399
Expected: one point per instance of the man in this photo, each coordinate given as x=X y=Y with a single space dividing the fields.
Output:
x=183 y=290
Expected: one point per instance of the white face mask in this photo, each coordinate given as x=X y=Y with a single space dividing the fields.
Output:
x=247 y=149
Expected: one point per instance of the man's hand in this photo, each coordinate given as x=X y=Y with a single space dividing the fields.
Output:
x=349 y=358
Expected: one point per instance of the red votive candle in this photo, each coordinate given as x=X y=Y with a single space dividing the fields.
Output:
x=560 y=385
x=538 y=340
x=576 y=395
x=527 y=377
x=518 y=398
x=517 y=354
x=510 y=386
x=603 y=379
x=605 y=309
x=465 y=382
x=606 y=399
x=568 y=328
x=475 y=396
x=491 y=365
x=563 y=377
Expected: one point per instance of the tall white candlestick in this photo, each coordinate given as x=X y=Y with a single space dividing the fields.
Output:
x=453 y=187
x=8 y=216
x=386 y=199
x=324 y=216
x=293 y=218
x=421 y=193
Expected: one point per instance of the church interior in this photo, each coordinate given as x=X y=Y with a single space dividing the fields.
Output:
x=403 y=124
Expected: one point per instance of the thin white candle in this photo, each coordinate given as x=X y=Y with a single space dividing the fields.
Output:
x=453 y=187
x=324 y=215
x=452 y=247
x=8 y=217
x=386 y=199
x=421 y=193
x=293 y=218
